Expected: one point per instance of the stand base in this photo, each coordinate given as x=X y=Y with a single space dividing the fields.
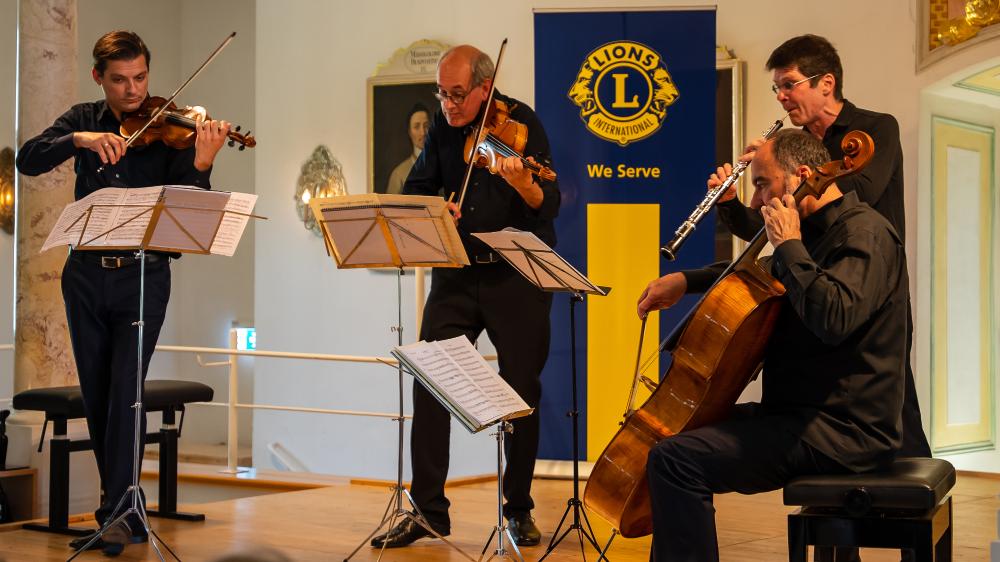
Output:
x=134 y=493
x=393 y=516
x=501 y=553
x=579 y=514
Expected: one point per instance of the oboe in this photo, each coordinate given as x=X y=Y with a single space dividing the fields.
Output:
x=687 y=227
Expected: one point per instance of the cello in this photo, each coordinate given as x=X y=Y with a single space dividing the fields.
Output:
x=717 y=350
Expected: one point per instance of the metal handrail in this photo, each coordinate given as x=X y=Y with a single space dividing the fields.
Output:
x=233 y=404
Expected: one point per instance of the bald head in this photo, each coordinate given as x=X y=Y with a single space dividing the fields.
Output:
x=464 y=73
x=476 y=64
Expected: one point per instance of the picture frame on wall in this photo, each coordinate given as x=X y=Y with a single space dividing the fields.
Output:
x=401 y=104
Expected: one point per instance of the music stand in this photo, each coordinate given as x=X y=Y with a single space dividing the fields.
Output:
x=547 y=270
x=378 y=231
x=167 y=219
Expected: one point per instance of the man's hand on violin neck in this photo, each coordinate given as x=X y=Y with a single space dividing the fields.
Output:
x=662 y=293
x=108 y=146
x=512 y=170
x=210 y=137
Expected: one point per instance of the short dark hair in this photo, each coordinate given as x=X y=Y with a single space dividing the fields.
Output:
x=417 y=108
x=795 y=147
x=118 y=45
x=812 y=55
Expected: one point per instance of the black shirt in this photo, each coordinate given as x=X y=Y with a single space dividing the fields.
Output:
x=491 y=204
x=155 y=164
x=880 y=183
x=835 y=361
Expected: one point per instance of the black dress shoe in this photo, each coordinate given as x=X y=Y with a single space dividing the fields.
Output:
x=404 y=534
x=523 y=529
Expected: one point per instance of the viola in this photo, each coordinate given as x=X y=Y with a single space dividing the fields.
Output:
x=173 y=126
x=502 y=137
x=717 y=350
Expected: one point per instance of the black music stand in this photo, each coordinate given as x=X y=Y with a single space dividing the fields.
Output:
x=541 y=265
x=381 y=231
x=168 y=219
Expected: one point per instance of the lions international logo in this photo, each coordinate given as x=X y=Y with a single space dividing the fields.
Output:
x=623 y=90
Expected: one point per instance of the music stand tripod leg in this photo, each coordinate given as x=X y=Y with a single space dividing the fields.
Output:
x=395 y=505
x=501 y=530
x=574 y=504
x=133 y=492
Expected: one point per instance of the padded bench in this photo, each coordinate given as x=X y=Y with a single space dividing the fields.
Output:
x=907 y=506
x=64 y=403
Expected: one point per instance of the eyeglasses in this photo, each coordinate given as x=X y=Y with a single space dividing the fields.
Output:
x=788 y=85
x=457 y=99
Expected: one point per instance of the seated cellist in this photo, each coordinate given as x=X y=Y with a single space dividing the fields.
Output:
x=833 y=369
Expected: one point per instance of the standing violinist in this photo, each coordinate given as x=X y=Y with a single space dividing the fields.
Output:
x=101 y=289
x=833 y=366
x=488 y=295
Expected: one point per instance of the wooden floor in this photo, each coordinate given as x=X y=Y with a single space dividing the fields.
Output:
x=325 y=524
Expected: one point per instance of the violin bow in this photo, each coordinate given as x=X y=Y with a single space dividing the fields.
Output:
x=481 y=126
x=177 y=92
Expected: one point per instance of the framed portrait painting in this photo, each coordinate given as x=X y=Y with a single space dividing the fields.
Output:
x=401 y=104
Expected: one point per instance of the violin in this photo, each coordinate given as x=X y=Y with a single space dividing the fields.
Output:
x=173 y=126
x=502 y=137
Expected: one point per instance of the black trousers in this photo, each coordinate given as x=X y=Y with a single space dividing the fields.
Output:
x=748 y=453
x=515 y=315
x=101 y=307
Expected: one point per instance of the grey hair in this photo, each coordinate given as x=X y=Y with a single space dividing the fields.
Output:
x=795 y=147
x=482 y=65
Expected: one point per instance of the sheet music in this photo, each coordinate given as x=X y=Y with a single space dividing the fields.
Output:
x=543 y=267
x=233 y=225
x=467 y=385
x=115 y=217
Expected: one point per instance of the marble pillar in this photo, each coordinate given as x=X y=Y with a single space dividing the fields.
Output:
x=47 y=87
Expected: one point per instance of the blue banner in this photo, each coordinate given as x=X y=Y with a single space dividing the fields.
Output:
x=628 y=102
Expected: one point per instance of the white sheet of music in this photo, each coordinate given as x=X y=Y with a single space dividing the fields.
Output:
x=233 y=225
x=461 y=376
x=119 y=218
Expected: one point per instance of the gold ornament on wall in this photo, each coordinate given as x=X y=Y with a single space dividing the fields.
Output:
x=322 y=176
x=949 y=25
x=7 y=190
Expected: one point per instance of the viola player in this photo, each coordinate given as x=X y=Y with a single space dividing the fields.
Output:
x=489 y=295
x=101 y=289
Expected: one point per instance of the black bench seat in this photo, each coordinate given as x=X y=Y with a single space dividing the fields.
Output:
x=63 y=403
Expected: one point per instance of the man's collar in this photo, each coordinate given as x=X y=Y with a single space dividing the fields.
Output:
x=820 y=221
x=104 y=109
x=844 y=118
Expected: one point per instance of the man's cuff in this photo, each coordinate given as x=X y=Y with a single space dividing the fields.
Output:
x=787 y=254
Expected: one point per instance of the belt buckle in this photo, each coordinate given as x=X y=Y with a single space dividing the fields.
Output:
x=111 y=262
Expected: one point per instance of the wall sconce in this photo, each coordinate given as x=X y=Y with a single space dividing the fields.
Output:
x=7 y=190
x=322 y=176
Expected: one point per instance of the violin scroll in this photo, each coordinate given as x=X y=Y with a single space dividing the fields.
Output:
x=858 y=149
